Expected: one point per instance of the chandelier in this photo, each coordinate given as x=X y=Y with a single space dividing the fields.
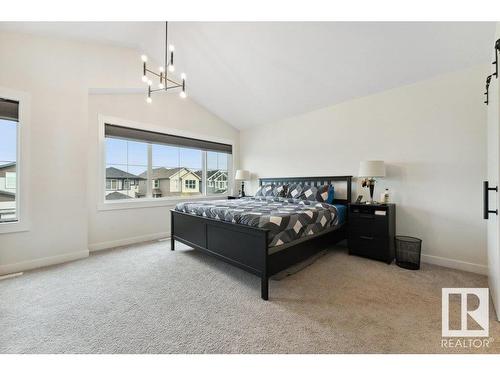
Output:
x=165 y=82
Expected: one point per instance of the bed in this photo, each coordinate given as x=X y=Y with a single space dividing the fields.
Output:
x=267 y=234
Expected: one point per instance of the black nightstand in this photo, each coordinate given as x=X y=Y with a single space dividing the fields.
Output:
x=372 y=228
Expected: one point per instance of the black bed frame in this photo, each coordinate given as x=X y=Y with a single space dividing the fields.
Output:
x=247 y=247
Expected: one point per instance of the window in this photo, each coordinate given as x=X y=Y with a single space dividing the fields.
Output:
x=9 y=114
x=114 y=185
x=190 y=184
x=186 y=166
x=10 y=180
x=217 y=172
x=126 y=169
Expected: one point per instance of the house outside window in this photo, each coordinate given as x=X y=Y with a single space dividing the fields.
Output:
x=153 y=166
x=9 y=129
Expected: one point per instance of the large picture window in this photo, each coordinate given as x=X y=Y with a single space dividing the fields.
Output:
x=143 y=164
x=9 y=116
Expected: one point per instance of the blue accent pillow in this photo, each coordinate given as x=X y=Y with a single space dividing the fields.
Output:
x=331 y=194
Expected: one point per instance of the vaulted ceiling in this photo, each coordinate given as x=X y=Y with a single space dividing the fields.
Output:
x=253 y=73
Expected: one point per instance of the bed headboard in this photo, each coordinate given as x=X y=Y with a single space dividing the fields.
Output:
x=343 y=184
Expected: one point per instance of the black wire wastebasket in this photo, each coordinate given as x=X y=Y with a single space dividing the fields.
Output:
x=408 y=251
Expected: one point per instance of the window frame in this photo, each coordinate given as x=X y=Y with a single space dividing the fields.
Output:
x=22 y=162
x=104 y=205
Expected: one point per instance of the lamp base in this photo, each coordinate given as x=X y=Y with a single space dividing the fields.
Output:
x=372 y=188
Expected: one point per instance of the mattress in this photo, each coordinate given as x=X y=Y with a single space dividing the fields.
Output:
x=286 y=219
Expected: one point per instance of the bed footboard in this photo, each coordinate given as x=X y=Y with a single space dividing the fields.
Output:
x=242 y=246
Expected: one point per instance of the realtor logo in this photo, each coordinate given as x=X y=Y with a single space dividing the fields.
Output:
x=474 y=309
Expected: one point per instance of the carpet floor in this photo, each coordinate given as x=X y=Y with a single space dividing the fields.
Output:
x=147 y=299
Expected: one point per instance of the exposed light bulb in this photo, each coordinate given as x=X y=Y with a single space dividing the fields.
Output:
x=162 y=69
x=149 y=100
x=183 y=94
x=161 y=86
x=150 y=83
x=183 y=76
x=144 y=58
x=144 y=79
x=171 y=48
x=171 y=68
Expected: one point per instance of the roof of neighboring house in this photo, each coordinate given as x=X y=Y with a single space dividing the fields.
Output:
x=211 y=173
x=8 y=165
x=112 y=172
x=7 y=193
x=163 y=173
x=116 y=195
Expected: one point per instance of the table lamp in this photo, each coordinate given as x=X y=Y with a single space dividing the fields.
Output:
x=369 y=170
x=242 y=175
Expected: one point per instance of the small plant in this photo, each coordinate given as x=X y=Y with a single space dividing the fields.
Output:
x=367 y=182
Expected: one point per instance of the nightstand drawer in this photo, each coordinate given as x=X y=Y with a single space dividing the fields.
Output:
x=368 y=224
x=371 y=230
x=368 y=246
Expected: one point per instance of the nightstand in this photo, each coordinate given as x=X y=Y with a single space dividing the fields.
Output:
x=372 y=228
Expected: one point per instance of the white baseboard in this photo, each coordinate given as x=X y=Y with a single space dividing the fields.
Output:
x=42 y=262
x=456 y=264
x=127 y=241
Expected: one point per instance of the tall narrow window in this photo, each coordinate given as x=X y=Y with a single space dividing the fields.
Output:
x=217 y=172
x=164 y=165
x=9 y=116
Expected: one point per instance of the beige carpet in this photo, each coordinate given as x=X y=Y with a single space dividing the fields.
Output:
x=147 y=299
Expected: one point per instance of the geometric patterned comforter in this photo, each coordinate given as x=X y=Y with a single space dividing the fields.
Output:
x=287 y=219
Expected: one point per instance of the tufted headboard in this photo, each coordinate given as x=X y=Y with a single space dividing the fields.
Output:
x=342 y=184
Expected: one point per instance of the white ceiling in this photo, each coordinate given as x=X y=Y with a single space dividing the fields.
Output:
x=252 y=73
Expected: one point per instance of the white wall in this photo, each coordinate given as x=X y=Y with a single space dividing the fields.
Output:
x=58 y=74
x=432 y=136
x=109 y=228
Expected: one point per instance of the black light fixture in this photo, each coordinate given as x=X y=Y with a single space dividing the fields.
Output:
x=497 y=48
x=166 y=83
x=488 y=80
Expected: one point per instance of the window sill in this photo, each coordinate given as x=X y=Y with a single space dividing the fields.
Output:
x=153 y=202
x=13 y=227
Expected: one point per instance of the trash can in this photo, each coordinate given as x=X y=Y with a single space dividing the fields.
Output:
x=408 y=252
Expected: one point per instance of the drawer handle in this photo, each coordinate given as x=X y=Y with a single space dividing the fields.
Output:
x=366 y=238
x=366 y=216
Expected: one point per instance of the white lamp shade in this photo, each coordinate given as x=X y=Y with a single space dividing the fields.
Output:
x=371 y=168
x=242 y=175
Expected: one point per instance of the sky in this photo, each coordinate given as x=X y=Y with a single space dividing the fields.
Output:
x=7 y=141
x=132 y=156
